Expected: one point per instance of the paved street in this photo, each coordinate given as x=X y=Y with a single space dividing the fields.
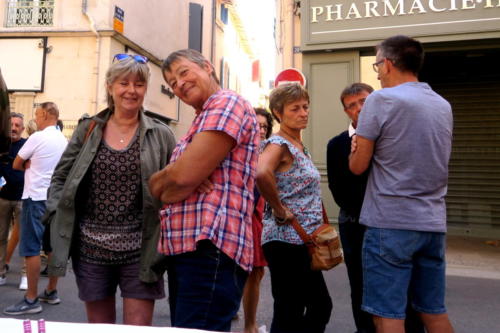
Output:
x=472 y=297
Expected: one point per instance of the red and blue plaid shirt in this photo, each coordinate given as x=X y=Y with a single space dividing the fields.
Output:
x=224 y=215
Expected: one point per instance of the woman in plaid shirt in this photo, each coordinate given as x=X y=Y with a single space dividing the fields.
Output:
x=207 y=234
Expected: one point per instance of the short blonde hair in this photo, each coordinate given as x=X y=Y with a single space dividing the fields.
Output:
x=31 y=127
x=124 y=67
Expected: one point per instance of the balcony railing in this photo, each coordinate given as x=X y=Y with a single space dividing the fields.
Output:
x=30 y=13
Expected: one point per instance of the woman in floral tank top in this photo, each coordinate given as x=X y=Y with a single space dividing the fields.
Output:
x=290 y=183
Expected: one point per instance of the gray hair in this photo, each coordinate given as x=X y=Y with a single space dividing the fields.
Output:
x=191 y=55
x=50 y=108
x=406 y=53
x=124 y=67
x=16 y=115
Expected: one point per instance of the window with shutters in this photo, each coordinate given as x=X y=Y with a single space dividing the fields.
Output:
x=29 y=13
x=195 y=26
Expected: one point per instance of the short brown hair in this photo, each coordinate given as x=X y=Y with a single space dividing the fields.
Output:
x=355 y=89
x=285 y=94
x=191 y=55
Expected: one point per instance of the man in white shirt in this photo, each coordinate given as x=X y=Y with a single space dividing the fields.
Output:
x=38 y=158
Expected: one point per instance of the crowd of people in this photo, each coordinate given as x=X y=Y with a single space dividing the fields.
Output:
x=126 y=202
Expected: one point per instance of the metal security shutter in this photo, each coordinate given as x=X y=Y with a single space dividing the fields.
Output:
x=473 y=200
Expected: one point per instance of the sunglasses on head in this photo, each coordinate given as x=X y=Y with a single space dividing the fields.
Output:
x=139 y=58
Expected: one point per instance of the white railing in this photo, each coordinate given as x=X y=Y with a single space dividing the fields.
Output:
x=29 y=13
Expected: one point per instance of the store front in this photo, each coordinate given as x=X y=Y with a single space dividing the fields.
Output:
x=462 y=43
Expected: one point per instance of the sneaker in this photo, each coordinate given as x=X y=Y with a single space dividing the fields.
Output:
x=23 y=285
x=3 y=280
x=45 y=271
x=50 y=298
x=24 y=307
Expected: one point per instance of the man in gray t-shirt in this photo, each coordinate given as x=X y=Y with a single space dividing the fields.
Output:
x=404 y=133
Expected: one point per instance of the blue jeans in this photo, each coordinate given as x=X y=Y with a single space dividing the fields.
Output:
x=351 y=235
x=398 y=262
x=30 y=241
x=205 y=288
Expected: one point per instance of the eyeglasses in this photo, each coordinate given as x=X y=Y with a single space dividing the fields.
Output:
x=263 y=127
x=375 y=65
x=139 y=58
x=352 y=105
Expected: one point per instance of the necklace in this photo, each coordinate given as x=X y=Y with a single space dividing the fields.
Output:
x=304 y=148
x=122 y=134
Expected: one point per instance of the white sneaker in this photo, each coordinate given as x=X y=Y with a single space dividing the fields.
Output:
x=23 y=285
x=3 y=280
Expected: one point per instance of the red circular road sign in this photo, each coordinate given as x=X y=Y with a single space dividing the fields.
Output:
x=290 y=75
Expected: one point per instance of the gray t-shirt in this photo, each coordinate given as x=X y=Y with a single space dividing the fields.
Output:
x=412 y=129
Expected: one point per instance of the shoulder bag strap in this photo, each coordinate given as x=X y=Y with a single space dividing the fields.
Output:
x=306 y=238
x=325 y=216
x=302 y=233
x=89 y=130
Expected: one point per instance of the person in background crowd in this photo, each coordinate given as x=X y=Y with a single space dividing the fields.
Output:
x=31 y=127
x=99 y=194
x=290 y=184
x=10 y=194
x=252 y=286
x=404 y=134
x=348 y=191
x=38 y=158
x=207 y=235
x=15 y=230
x=60 y=125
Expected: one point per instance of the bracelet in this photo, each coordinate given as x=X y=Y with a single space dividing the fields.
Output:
x=280 y=220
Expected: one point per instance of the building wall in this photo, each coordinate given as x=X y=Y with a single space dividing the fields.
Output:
x=461 y=40
x=81 y=45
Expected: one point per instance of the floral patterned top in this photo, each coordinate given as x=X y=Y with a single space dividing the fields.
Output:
x=299 y=190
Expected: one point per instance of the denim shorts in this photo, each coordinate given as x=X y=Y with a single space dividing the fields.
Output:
x=30 y=242
x=98 y=282
x=401 y=262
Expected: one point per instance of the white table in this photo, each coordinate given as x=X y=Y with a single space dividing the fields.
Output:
x=8 y=325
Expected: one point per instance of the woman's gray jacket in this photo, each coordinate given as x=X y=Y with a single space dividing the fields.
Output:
x=156 y=144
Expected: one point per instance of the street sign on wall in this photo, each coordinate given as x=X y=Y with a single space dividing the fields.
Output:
x=118 y=19
x=290 y=75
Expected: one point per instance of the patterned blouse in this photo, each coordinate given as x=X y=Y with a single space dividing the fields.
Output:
x=299 y=190
x=111 y=223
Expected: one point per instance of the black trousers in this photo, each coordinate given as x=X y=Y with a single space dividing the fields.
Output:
x=301 y=299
